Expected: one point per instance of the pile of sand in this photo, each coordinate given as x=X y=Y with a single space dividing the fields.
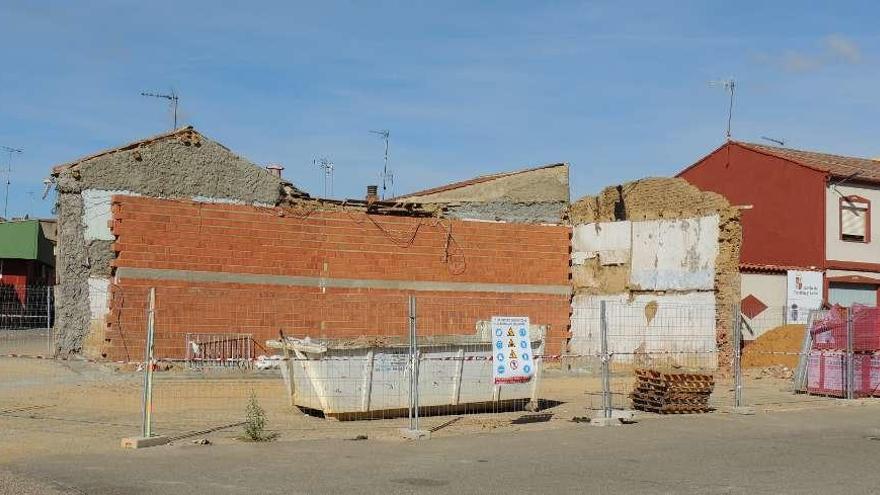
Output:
x=778 y=346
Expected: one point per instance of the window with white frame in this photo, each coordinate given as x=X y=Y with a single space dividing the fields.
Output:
x=855 y=219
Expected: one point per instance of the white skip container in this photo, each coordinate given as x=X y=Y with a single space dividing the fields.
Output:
x=369 y=377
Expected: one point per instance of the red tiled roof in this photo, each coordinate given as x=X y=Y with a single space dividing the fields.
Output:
x=770 y=268
x=476 y=180
x=866 y=169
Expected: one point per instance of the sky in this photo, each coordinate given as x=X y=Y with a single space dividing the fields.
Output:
x=619 y=90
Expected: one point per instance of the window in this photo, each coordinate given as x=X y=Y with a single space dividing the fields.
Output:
x=855 y=219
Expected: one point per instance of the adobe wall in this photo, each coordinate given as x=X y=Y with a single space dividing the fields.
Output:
x=656 y=242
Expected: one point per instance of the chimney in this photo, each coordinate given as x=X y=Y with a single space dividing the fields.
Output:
x=275 y=169
x=372 y=193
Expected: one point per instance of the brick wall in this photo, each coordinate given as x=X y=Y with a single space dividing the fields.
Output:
x=180 y=237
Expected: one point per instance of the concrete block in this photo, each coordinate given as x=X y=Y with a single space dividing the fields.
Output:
x=143 y=442
x=623 y=413
x=605 y=421
x=743 y=410
x=415 y=434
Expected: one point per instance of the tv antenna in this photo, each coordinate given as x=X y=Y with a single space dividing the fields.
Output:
x=729 y=85
x=327 y=167
x=780 y=142
x=171 y=97
x=387 y=176
x=10 y=152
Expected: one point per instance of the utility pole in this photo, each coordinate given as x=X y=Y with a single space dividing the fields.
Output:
x=10 y=152
x=172 y=97
x=387 y=176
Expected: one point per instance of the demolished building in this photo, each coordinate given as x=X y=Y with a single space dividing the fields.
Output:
x=179 y=164
x=232 y=248
x=666 y=255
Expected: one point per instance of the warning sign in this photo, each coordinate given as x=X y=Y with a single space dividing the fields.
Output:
x=513 y=361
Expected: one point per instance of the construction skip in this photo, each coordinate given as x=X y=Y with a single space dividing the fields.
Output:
x=371 y=377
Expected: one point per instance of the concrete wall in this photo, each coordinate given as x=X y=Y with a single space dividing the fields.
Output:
x=181 y=164
x=506 y=211
x=838 y=249
x=230 y=268
x=538 y=195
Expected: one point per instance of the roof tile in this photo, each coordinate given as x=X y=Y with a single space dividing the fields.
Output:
x=865 y=169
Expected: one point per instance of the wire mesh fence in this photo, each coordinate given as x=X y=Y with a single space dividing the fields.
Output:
x=316 y=359
x=791 y=357
x=343 y=355
x=355 y=355
x=626 y=341
x=26 y=316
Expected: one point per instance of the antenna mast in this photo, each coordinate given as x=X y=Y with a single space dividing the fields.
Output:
x=172 y=97
x=780 y=142
x=387 y=176
x=729 y=85
x=10 y=151
x=328 y=167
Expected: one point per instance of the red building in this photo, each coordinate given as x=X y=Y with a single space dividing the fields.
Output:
x=27 y=267
x=801 y=211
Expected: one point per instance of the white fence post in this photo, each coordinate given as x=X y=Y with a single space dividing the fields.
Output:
x=606 y=361
x=50 y=333
x=850 y=362
x=148 y=367
x=737 y=358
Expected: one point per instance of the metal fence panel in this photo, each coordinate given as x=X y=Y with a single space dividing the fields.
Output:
x=26 y=315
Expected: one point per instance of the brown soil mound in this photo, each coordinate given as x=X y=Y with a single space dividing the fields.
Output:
x=776 y=347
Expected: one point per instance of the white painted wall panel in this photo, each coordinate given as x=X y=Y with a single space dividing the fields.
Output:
x=675 y=254
x=610 y=241
x=652 y=324
x=96 y=213
x=99 y=289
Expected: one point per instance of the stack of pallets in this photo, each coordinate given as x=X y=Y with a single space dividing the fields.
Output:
x=672 y=393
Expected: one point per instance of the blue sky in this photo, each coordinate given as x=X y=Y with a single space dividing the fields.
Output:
x=618 y=89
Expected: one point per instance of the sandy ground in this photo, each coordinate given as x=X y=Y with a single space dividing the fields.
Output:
x=47 y=406
x=29 y=342
x=822 y=450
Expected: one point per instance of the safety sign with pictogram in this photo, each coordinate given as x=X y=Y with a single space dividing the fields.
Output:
x=512 y=349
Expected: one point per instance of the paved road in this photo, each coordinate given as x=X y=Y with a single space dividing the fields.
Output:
x=816 y=451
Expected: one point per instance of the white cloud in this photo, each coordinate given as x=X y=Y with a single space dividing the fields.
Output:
x=844 y=49
x=835 y=49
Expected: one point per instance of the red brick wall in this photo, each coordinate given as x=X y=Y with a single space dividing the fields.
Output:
x=188 y=236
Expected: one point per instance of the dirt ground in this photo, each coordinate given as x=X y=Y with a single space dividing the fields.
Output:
x=26 y=341
x=47 y=406
x=779 y=346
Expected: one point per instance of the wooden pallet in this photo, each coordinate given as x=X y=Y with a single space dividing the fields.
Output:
x=672 y=392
